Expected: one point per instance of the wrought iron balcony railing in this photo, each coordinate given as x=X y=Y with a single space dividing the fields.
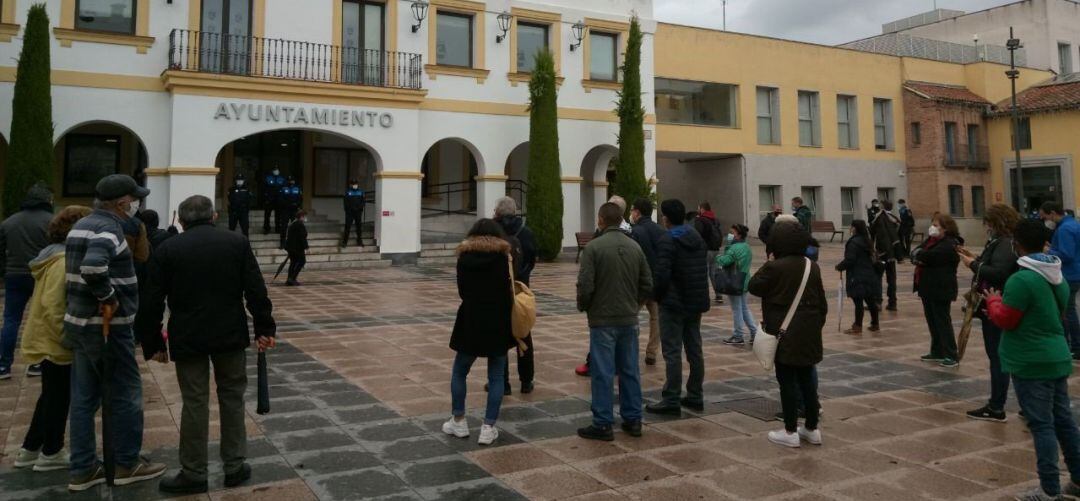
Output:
x=967 y=155
x=290 y=59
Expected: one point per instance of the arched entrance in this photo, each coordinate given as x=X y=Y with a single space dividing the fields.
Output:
x=448 y=189
x=598 y=175
x=90 y=151
x=517 y=172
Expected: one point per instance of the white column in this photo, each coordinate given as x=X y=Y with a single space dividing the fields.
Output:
x=600 y=189
x=157 y=181
x=397 y=218
x=489 y=187
x=571 y=192
x=183 y=182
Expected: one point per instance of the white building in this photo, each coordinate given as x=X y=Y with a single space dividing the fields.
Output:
x=430 y=114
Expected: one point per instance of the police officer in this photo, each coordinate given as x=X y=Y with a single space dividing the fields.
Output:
x=288 y=204
x=239 y=205
x=354 y=212
x=271 y=189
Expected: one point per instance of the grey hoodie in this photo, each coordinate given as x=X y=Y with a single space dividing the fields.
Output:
x=1049 y=267
x=23 y=235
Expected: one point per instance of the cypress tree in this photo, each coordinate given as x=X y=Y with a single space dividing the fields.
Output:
x=30 y=152
x=544 y=204
x=630 y=180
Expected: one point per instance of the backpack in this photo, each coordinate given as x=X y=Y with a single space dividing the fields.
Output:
x=710 y=232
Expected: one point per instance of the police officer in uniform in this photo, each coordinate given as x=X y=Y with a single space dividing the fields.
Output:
x=239 y=205
x=288 y=204
x=271 y=189
x=354 y=212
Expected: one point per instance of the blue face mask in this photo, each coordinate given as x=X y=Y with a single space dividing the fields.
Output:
x=730 y=238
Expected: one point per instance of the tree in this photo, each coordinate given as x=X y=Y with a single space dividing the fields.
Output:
x=630 y=180
x=544 y=204
x=30 y=152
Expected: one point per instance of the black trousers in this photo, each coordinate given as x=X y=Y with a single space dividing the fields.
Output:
x=905 y=242
x=525 y=367
x=939 y=321
x=283 y=217
x=798 y=384
x=871 y=304
x=353 y=219
x=296 y=265
x=270 y=208
x=50 y=419
x=890 y=280
x=239 y=217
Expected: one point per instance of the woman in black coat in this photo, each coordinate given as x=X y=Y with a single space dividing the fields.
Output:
x=800 y=349
x=935 y=261
x=296 y=245
x=863 y=285
x=992 y=269
x=483 y=326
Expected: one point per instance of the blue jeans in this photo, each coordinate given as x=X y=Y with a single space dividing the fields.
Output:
x=18 y=288
x=1045 y=403
x=999 y=381
x=679 y=331
x=1072 y=320
x=126 y=413
x=744 y=319
x=614 y=350
x=496 y=370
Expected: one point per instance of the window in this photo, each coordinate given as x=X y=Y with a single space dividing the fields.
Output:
x=978 y=201
x=916 y=133
x=1064 y=58
x=950 y=143
x=767 y=197
x=849 y=200
x=956 y=200
x=334 y=167
x=1025 y=134
x=809 y=119
x=87 y=159
x=973 y=144
x=698 y=103
x=811 y=200
x=768 y=115
x=603 y=56
x=362 y=42
x=847 y=122
x=883 y=131
x=453 y=39
x=531 y=39
x=884 y=194
x=114 y=16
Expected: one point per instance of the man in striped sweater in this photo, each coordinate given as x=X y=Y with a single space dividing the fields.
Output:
x=101 y=275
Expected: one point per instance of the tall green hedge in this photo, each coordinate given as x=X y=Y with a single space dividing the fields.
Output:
x=544 y=204
x=630 y=180
x=30 y=152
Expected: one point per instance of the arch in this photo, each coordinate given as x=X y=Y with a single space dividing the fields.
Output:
x=449 y=196
x=344 y=137
x=87 y=151
x=481 y=164
x=595 y=164
x=517 y=163
x=595 y=184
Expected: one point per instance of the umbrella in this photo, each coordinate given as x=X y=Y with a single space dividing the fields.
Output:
x=280 y=267
x=264 y=385
x=971 y=299
x=107 y=447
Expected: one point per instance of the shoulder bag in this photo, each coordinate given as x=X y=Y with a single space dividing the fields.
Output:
x=765 y=346
x=523 y=314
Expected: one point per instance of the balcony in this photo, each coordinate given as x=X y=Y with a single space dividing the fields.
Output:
x=248 y=56
x=966 y=155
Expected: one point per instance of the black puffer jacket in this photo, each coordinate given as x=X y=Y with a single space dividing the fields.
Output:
x=648 y=234
x=24 y=234
x=935 y=273
x=525 y=253
x=681 y=275
x=862 y=281
x=483 y=327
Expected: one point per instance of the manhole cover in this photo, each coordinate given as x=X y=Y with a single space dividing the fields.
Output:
x=764 y=409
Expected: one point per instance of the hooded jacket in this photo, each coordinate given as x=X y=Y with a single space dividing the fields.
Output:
x=861 y=281
x=45 y=325
x=24 y=234
x=681 y=276
x=1033 y=344
x=614 y=280
x=526 y=254
x=709 y=228
x=483 y=327
x=1066 y=245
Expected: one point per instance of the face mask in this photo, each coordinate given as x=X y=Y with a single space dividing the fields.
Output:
x=276 y=172
x=133 y=208
x=794 y=209
x=356 y=186
x=934 y=231
x=875 y=206
x=1050 y=224
x=730 y=238
x=240 y=182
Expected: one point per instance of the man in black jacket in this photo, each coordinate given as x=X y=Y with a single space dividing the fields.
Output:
x=207 y=275
x=681 y=286
x=524 y=251
x=22 y=236
x=884 y=229
x=648 y=234
x=296 y=245
x=239 y=205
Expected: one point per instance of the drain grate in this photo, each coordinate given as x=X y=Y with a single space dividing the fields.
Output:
x=764 y=409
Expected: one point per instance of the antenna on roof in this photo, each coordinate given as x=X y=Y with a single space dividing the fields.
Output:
x=724 y=10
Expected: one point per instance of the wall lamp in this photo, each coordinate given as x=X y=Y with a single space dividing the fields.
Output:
x=578 y=30
x=504 y=26
x=419 y=12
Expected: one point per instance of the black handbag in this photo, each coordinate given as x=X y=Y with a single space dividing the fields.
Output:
x=729 y=280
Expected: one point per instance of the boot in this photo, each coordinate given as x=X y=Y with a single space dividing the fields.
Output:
x=855 y=329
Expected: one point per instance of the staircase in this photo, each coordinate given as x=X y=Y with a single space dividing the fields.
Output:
x=438 y=253
x=324 y=236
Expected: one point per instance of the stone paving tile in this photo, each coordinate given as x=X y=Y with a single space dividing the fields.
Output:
x=505 y=460
x=554 y=482
x=746 y=482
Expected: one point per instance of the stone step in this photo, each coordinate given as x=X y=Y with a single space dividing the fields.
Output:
x=425 y=260
x=322 y=240
x=347 y=265
x=321 y=249
x=437 y=246
x=322 y=258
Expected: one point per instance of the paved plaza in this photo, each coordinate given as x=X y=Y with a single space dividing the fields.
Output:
x=361 y=386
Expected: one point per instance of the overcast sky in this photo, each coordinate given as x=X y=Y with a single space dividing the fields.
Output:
x=820 y=21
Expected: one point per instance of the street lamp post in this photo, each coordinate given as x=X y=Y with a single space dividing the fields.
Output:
x=1013 y=45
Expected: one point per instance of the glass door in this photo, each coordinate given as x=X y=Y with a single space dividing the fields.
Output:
x=1041 y=184
x=225 y=42
x=362 y=57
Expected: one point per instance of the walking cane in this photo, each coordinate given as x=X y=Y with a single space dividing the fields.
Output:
x=840 y=304
x=107 y=445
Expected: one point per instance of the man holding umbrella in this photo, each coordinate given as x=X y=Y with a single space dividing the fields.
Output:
x=101 y=284
x=207 y=275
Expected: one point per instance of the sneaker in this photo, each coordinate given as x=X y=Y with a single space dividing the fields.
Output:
x=96 y=476
x=854 y=330
x=5 y=374
x=891 y=307
x=930 y=357
x=53 y=462
x=782 y=437
x=582 y=370
x=26 y=458
x=488 y=434
x=33 y=370
x=985 y=413
x=593 y=432
x=182 y=484
x=143 y=470
x=719 y=299
x=650 y=360
x=239 y=476
x=735 y=340
x=1036 y=494
x=459 y=429
x=949 y=363
x=811 y=436
x=632 y=428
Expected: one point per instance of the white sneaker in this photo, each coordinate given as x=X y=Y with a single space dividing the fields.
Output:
x=58 y=461
x=459 y=429
x=488 y=434
x=814 y=437
x=782 y=437
x=25 y=458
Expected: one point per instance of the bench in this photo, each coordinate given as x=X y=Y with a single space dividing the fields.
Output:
x=583 y=239
x=826 y=227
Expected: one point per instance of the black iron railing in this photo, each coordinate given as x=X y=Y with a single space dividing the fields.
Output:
x=291 y=59
x=450 y=198
x=519 y=191
x=975 y=156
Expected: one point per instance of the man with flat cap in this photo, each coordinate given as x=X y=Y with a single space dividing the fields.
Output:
x=101 y=277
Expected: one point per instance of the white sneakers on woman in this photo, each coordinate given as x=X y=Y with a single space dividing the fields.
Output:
x=42 y=462
x=793 y=440
x=460 y=429
x=488 y=434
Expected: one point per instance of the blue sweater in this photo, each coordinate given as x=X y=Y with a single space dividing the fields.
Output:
x=1066 y=245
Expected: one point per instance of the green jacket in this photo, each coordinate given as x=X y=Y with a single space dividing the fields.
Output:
x=739 y=254
x=1036 y=348
x=614 y=280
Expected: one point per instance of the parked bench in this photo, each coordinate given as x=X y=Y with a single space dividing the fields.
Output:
x=583 y=239
x=826 y=227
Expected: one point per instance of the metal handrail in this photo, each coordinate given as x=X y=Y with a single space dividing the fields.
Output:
x=445 y=190
x=244 y=55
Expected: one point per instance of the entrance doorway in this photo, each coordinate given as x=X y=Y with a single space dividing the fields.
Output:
x=91 y=151
x=448 y=190
x=1041 y=184
x=225 y=36
x=362 y=41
